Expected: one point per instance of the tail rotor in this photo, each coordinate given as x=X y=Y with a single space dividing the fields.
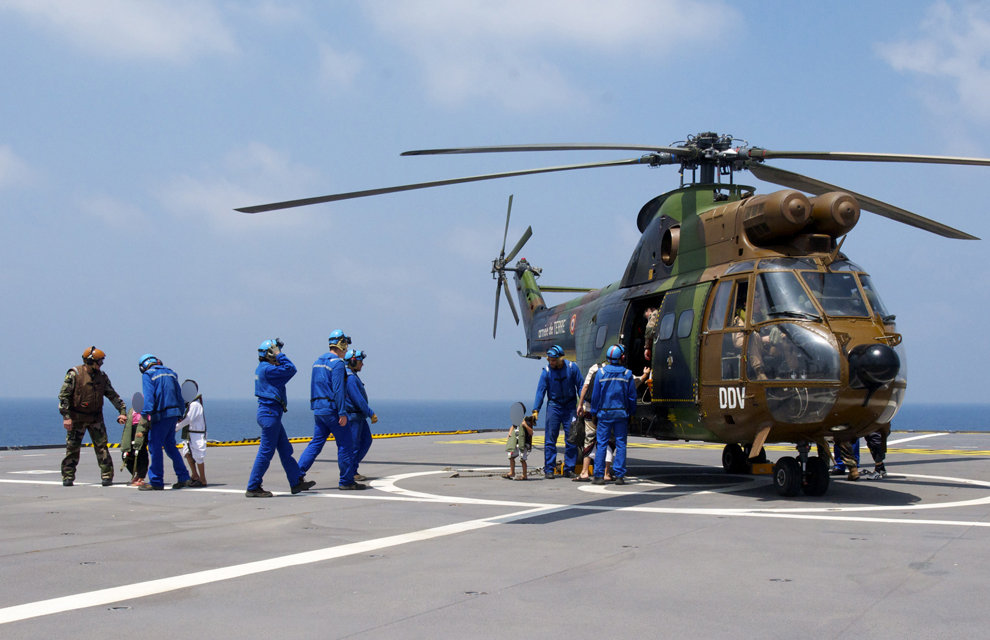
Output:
x=498 y=268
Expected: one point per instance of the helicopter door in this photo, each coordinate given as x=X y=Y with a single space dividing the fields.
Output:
x=675 y=353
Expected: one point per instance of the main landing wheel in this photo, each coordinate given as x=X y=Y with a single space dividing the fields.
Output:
x=734 y=459
x=815 y=477
x=787 y=476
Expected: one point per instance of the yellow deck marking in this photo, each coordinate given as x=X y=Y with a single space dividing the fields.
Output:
x=538 y=441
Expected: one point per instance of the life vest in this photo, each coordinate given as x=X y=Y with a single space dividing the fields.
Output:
x=87 y=395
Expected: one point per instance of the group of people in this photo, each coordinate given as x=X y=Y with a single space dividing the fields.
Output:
x=340 y=408
x=337 y=397
x=597 y=408
x=153 y=427
x=594 y=412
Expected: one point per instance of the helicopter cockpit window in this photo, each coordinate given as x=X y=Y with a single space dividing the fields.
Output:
x=600 y=337
x=720 y=304
x=684 y=323
x=741 y=267
x=837 y=293
x=789 y=351
x=779 y=294
x=844 y=265
x=731 y=355
x=874 y=298
x=666 y=329
x=786 y=264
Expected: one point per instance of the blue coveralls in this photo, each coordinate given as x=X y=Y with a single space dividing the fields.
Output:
x=562 y=388
x=328 y=389
x=164 y=406
x=613 y=400
x=358 y=414
x=269 y=388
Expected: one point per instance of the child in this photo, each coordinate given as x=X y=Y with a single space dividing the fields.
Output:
x=194 y=424
x=136 y=457
x=518 y=445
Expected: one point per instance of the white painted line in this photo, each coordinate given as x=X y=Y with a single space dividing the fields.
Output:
x=924 y=435
x=163 y=585
x=36 y=472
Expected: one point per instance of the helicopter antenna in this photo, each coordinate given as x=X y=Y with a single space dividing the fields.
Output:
x=838 y=247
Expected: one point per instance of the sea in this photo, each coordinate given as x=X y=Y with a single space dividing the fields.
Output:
x=36 y=422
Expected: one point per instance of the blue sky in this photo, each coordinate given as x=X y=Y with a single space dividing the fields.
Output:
x=130 y=130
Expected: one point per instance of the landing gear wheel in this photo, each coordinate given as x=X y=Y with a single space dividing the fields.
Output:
x=734 y=459
x=787 y=476
x=816 y=477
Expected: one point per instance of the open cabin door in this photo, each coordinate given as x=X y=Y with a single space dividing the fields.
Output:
x=675 y=351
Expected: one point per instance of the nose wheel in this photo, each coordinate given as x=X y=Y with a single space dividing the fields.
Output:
x=805 y=473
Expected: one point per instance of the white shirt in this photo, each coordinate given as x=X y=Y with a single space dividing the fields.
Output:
x=194 y=418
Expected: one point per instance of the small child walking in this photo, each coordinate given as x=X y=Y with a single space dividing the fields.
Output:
x=518 y=445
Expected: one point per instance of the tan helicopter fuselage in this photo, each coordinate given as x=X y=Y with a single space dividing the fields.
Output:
x=764 y=331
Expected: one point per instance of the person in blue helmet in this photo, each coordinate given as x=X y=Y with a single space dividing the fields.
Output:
x=328 y=392
x=163 y=406
x=357 y=408
x=273 y=372
x=613 y=401
x=560 y=381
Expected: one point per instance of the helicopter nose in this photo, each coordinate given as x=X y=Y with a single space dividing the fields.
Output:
x=872 y=365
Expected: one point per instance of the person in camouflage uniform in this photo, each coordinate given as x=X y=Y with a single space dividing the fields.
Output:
x=80 y=401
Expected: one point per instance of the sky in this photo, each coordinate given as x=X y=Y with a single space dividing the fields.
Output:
x=129 y=132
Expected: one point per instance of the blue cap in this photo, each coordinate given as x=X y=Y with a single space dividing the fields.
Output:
x=556 y=351
x=355 y=354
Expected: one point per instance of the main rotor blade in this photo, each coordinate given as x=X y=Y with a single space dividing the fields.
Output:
x=506 y=234
x=519 y=245
x=288 y=204
x=549 y=147
x=512 y=305
x=817 y=187
x=850 y=156
x=498 y=292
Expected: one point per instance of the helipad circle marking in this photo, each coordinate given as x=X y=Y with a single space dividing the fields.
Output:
x=388 y=484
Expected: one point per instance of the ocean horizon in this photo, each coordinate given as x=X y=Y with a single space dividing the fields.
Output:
x=36 y=422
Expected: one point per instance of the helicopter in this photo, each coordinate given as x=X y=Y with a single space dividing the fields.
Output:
x=763 y=330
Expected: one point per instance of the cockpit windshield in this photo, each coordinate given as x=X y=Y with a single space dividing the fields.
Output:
x=874 y=298
x=837 y=293
x=779 y=294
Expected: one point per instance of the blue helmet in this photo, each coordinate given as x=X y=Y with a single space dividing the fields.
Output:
x=339 y=339
x=147 y=361
x=615 y=353
x=556 y=351
x=264 y=348
x=353 y=356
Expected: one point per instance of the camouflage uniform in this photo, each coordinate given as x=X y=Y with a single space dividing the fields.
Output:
x=86 y=418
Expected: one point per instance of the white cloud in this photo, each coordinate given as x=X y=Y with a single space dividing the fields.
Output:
x=474 y=49
x=952 y=48
x=339 y=69
x=174 y=30
x=113 y=212
x=13 y=170
x=246 y=176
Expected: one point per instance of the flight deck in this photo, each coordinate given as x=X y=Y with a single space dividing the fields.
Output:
x=441 y=545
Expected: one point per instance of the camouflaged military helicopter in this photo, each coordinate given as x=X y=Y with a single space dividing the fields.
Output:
x=766 y=332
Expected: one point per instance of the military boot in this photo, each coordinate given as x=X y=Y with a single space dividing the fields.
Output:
x=853 y=474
